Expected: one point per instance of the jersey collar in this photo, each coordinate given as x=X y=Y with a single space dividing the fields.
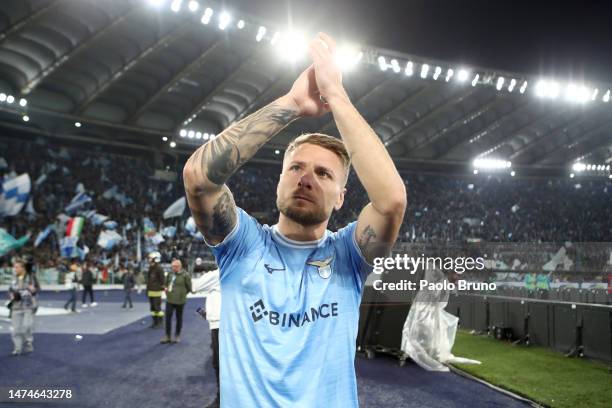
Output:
x=283 y=240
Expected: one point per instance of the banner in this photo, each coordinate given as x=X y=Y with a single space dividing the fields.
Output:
x=176 y=209
x=8 y=243
x=14 y=195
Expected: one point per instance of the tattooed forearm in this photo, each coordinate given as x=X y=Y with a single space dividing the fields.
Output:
x=221 y=157
x=371 y=245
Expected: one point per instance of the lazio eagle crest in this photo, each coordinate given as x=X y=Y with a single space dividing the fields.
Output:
x=323 y=267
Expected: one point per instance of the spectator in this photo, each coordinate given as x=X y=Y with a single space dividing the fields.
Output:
x=178 y=285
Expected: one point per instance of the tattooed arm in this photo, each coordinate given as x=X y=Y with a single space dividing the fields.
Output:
x=379 y=222
x=205 y=173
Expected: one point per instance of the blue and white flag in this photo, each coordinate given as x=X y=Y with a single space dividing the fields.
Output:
x=14 y=195
x=42 y=235
x=80 y=188
x=82 y=252
x=68 y=247
x=3 y=163
x=169 y=232
x=111 y=225
x=98 y=219
x=176 y=209
x=77 y=201
x=190 y=226
x=108 y=239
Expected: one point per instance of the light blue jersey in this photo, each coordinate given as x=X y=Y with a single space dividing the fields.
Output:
x=289 y=317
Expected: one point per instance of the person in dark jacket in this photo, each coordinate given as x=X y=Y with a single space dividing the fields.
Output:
x=87 y=280
x=128 y=286
x=155 y=287
x=23 y=305
x=178 y=285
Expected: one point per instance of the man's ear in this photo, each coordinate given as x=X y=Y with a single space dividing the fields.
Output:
x=340 y=200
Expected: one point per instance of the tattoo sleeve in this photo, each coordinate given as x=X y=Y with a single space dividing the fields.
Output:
x=221 y=157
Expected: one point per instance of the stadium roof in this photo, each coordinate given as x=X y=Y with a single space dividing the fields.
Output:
x=151 y=72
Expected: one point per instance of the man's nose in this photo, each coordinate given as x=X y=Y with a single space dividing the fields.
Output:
x=306 y=180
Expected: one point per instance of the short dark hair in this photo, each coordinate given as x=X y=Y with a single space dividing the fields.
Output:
x=330 y=143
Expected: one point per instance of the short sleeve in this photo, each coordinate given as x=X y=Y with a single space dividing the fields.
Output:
x=239 y=242
x=359 y=265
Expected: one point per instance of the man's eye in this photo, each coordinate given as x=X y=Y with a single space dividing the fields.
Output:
x=294 y=167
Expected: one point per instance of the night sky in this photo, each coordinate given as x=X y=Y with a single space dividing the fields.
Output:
x=569 y=40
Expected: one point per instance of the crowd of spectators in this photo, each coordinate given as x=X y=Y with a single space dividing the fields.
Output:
x=441 y=209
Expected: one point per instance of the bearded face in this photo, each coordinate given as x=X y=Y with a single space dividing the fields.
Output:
x=311 y=185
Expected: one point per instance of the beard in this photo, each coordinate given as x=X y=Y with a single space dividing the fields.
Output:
x=302 y=215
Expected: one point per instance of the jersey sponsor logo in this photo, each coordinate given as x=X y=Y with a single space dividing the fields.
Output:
x=323 y=311
x=271 y=269
x=323 y=267
x=258 y=310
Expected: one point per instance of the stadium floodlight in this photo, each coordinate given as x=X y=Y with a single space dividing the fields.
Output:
x=512 y=85
x=449 y=74
x=500 y=83
x=173 y=144
x=588 y=167
x=409 y=70
x=462 y=76
x=10 y=99
x=610 y=176
x=156 y=3
x=193 y=6
x=25 y=118
x=347 y=57
x=23 y=102
x=205 y=136
x=395 y=66
x=261 y=31
x=176 y=5
x=382 y=63
x=292 y=47
x=208 y=13
x=475 y=80
x=198 y=135
x=183 y=133
x=594 y=94
x=437 y=73
x=277 y=151
x=491 y=164
x=571 y=175
x=606 y=97
x=578 y=94
x=608 y=167
x=275 y=38
x=424 y=70
x=77 y=124
x=578 y=167
x=190 y=134
x=165 y=138
x=2 y=97
x=547 y=89
x=224 y=20
x=475 y=171
x=240 y=24
x=513 y=173
x=523 y=87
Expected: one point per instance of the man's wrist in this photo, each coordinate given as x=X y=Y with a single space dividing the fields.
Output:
x=337 y=97
x=287 y=102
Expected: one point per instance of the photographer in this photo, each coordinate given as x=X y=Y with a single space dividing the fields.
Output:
x=23 y=305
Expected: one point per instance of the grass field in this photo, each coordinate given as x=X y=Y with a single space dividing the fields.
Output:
x=539 y=374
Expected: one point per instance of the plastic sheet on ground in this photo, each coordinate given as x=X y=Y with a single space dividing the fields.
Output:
x=429 y=331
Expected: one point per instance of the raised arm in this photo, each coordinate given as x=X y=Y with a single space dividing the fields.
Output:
x=379 y=222
x=205 y=173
